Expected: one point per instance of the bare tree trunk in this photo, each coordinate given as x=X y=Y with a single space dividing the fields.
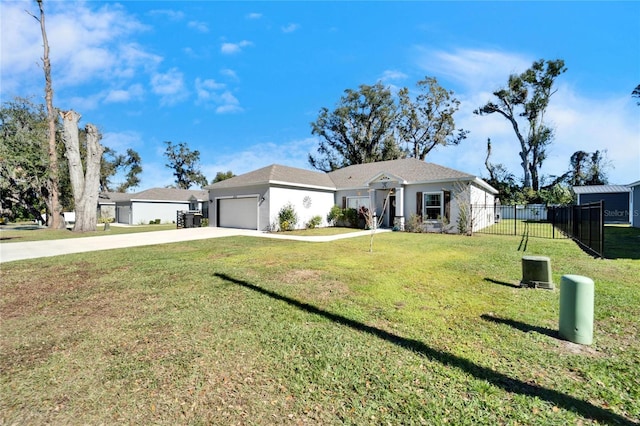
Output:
x=53 y=203
x=85 y=184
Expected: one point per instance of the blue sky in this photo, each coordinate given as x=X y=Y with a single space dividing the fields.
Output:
x=241 y=81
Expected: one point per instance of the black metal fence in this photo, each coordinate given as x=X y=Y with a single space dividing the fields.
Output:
x=584 y=223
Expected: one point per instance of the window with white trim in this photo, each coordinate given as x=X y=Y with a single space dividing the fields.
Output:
x=357 y=202
x=433 y=207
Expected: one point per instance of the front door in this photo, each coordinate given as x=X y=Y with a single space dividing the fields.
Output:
x=392 y=211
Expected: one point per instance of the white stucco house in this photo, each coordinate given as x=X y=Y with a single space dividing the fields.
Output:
x=409 y=187
x=151 y=204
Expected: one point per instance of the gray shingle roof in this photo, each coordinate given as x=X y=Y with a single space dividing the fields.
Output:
x=411 y=170
x=276 y=173
x=106 y=197
x=600 y=189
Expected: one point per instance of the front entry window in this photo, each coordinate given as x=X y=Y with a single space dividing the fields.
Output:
x=357 y=202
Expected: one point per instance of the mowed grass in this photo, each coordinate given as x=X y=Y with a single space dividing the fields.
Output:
x=427 y=329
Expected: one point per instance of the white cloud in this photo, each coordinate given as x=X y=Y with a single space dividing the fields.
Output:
x=121 y=141
x=230 y=104
x=198 y=26
x=232 y=48
x=229 y=73
x=473 y=69
x=87 y=44
x=155 y=175
x=82 y=103
x=169 y=86
x=216 y=94
x=174 y=15
x=389 y=75
x=254 y=15
x=290 y=28
x=289 y=153
x=133 y=92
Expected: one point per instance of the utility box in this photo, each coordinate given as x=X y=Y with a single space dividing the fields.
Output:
x=536 y=272
x=576 y=309
x=188 y=220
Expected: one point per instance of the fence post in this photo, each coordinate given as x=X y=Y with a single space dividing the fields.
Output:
x=602 y=228
x=553 y=222
x=515 y=219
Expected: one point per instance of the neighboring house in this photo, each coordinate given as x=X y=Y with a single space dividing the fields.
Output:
x=635 y=204
x=617 y=200
x=107 y=203
x=395 y=189
x=151 y=204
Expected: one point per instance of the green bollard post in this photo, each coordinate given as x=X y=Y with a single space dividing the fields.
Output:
x=576 y=309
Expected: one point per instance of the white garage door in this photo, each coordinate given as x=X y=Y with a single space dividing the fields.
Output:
x=238 y=213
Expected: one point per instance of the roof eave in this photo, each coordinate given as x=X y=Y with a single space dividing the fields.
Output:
x=301 y=185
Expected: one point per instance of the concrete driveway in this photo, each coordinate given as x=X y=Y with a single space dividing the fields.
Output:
x=35 y=249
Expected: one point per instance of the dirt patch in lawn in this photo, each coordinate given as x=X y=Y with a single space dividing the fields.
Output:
x=315 y=284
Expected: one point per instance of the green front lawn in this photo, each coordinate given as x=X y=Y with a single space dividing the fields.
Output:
x=427 y=329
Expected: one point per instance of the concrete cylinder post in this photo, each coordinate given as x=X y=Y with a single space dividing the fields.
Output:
x=576 y=309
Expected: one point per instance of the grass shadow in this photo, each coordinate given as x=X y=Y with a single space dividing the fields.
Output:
x=524 y=242
x=568 y=402
x=621 y=242
x=504 y=283
x=524 y=327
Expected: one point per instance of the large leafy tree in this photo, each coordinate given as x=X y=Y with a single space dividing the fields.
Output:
x=636 y=93
x=524 y=103
x=185 y=165
x=587 y=168
x=360 y=129
x=24 y=162
x=427 y=121
x=115 y=164
x=220 y=176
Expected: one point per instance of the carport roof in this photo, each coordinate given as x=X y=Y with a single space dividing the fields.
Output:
x=600 y=189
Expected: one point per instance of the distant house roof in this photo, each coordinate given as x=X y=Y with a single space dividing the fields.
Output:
x=154 y=194
x=600 y=189
x=112 y=197
x=634 y=184
x=170 y=194
x=411 y=170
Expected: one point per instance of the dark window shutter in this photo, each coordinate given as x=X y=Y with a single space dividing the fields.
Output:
x=419 y=204
x=344 y=202
x=447 y=205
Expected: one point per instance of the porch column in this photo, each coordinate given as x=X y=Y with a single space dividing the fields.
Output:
x=372 y=206
x=399 y=219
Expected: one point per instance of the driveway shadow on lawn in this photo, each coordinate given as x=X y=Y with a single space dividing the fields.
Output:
x=524 y=327
x=568 y=402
